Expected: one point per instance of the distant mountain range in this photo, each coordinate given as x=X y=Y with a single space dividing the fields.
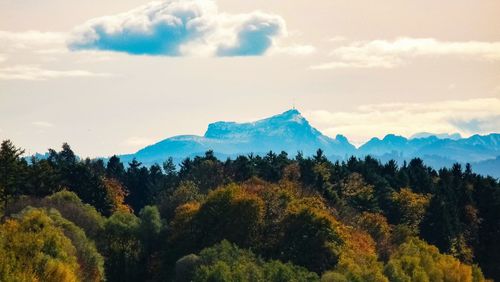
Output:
x=292 y=133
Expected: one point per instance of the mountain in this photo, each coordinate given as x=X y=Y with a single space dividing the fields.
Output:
x=473 y=149
x=291 y=132
x=288 y=131
x=488 y=167
x=483 y=152
x=454 y=136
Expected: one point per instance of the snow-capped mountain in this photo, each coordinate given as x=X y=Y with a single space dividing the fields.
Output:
x=291 y=132
x=288 y=131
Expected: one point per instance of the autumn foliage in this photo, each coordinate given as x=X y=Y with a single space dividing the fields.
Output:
x=251 y=218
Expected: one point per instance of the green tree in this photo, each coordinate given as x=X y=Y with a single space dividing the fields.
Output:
x=91 y=263
x=149 y=236
x=227 y=262
x=309 y=238
x=136 y=181
x=42 y=178
x=207 y=172
x=121 y=247
x=241 y=169
x=13 y=172
x=186 y=192
x=85 y=178
x=358 y=193
x=185 y=268
x=115 y=169
x=69 y=206
x=229 y=213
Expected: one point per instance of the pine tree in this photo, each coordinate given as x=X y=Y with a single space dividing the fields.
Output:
x=13 y=171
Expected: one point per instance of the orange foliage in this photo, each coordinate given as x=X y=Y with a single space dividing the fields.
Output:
x=116 y=194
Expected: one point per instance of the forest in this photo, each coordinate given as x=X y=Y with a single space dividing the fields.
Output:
x=250 y=218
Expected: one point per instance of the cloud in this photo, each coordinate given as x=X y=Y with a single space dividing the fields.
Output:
x=40 y=44
x=28 y=72
x=28 y=51
x=466 y=117
x=178 y=28
x=391 y=54
x=254 y=35
x=43 y=124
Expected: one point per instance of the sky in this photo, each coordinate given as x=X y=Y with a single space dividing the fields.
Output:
x=111 y=76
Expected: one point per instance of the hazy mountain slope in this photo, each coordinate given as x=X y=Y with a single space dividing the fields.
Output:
x=488 y=167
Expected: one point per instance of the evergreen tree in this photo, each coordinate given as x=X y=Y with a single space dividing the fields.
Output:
x=13 y=172
x=115 y=169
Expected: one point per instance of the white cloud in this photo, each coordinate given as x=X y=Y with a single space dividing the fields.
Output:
x=390 y=54
x=463 y=116
x=33 y=72
x=189 y=27
x=44 y=124
x=29 y=51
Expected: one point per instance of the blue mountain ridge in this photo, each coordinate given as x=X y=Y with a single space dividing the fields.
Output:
x=291 y=132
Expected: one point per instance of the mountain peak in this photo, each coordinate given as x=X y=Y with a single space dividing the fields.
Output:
x=291 y=112
x=270 y=125
x=394 y=138
x=292 y=115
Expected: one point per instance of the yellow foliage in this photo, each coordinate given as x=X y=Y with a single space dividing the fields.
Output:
x=316 y=203
x=375 y=224
x=416 y=260
x=410 y=206
x=32 y=248
x=358 y=259
x=56 y=271
x=379 y=229
x=183 y=216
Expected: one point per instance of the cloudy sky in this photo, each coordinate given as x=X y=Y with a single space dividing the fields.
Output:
x=110 y=76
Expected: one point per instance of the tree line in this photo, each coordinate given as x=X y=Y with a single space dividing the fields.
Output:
x=250 y=218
